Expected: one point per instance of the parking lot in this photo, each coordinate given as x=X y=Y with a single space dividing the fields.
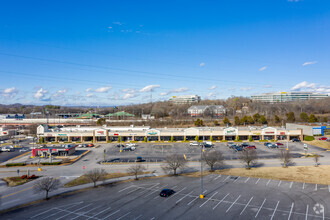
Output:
x=226 y=197
x=155 y=152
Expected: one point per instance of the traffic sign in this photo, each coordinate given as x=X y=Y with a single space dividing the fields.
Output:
x=83 y=167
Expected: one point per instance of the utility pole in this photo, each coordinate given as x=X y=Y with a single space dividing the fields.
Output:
x=202 y=186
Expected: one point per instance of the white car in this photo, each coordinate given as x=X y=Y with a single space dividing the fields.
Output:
x=4 y=149
x=10 y=146
x=194 y=144
x=131 y=145
x=23 y=150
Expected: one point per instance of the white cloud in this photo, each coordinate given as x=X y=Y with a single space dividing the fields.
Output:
x=246 y=88
x=149 y=88
x=60 y=92
x=10 y=92
x=103 y=89
x=263 y=68
x=90 y=95
x=213 y=87
x=88 y=89
x=211 y=95
x=129 y=90
x=268 y=86
x=202 y=64
x=179 y=90
x=130 y=95
x=40 y=93
x=309 y=63
x=311 y=87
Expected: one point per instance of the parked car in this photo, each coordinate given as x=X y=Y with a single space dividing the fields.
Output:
x=270 y=145
x=129 y=149
x=279 y=144
x=250 y=147
x=131 y=145
x=90 y=145
x=166 y=192
x=229 y=144
x=23 y=150
x=244 y=145
x=233 y=146
x=139 y=159
x=323 y=138
x=208 y=146
x=5 y=149
x=120 y=145
x=266 y=143
x=194 y=143
x=238 y=148
x=295 y=140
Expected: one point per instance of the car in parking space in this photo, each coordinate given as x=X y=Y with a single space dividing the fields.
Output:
x=23 y=150
x=131 y=145
x=128 y=148
x=323 y=138
x=270 y=145
x=139 y=159
x=279 y=144
x=295 y=140
x=250 y=147
x=237 y=148
x=6 y=149
x=90 y=145
x=120 y=145
x=166 y=192
x=266 y=143
x=208 y=146
x=194 y=143
x=244 y=145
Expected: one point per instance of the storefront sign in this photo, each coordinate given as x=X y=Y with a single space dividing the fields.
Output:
x=152 y=133
x=282 y=133
x=230 y=131
x=61 y=134
x=269 y=132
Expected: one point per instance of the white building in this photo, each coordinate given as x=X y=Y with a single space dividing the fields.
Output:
x=198 y=110
x=185 y=99
x=287 y=96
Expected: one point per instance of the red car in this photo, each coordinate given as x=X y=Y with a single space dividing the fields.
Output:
x=250 y=147
x=323 y=138
x=90 y=145
x=279 y=144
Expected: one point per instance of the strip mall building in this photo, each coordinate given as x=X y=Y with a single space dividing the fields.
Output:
x=131 y=133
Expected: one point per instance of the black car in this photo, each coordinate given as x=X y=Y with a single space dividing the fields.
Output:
x=244 y=145
x=238 y=148
x=166 y=192
x=120 y=145
x=208 y=145
x=295 y=140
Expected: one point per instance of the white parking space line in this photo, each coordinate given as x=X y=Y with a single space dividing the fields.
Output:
x=125 y=189
x=182 y=198
x=208 y=199
x=303 y=186
x=196 y=198
x=268 y=182
x=260 y=207
x=217 y=177
x=149 y=188
x=233 y=203
x=42 y=213
x=257 y=181
x=100 y=212
x=138 y=217
x=279 y=183
x=176 y=193
x=132 y=191
x=226 y=179
x=290 y=211
x=56 y=213
x=74 y=211
x=221 y=201
x=247 y=180
x=236 y=179
x=329 y=188
x=123 y=216
x=246 y=206
x=306 y=217
x=315 y=187
x=78 y=215
x=111 y=214
x=275 y=210
x=291 y=184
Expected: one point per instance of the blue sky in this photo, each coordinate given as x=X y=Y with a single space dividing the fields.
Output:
x=118 y=52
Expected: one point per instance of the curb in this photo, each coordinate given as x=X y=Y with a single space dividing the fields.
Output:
x=22 y=155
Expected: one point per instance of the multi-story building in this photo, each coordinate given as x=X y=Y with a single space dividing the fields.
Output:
x=199 y=110
x=287 y=96
x=185 y=99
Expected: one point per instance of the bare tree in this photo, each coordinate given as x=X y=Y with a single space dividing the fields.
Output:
x=213 y=159
x=174 y=162
x=249 y=157
x=136 y=169
x=95 y=175
x=316 y=159
x=285 y=156
x=47 y=184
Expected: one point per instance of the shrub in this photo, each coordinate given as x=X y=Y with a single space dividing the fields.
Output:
x=309 y=138
x=14 y=164
x=53 y=163
x=250 y=138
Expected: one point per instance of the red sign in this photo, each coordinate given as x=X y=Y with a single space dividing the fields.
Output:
x=116 y=134
x=100 y=132
x=83 y=167
x=282 y=133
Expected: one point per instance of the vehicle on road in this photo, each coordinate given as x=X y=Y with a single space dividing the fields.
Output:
x=23 y=150
x=166 y=192
x=139 y=159
x=270 y=145
x=250 y=147
x=194 y=143
x=238 y=148
x=323 y=138
x=5 y=149
x=295 y=140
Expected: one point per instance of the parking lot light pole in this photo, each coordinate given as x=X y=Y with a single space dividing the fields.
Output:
x=202 y=195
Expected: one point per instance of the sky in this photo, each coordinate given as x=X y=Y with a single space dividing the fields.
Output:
x=124 y=52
